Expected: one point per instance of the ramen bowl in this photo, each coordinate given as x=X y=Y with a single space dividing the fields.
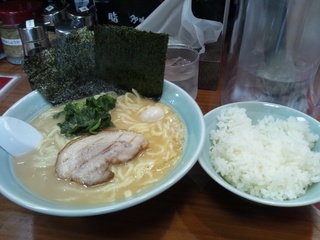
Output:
x=32 y=104
x=257 y=111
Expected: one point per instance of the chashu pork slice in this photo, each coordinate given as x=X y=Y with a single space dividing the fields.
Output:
x=86 y=159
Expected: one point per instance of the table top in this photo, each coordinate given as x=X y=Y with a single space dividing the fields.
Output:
x=194 y=208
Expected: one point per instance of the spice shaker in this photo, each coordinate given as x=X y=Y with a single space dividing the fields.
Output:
x=34 y=37
x=53 y=14
x=83 y=11
x=13 y=13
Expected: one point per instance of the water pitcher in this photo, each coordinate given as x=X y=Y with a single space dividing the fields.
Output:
x=274 y=54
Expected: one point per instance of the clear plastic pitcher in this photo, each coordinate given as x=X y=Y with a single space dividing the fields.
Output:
x=274 y=54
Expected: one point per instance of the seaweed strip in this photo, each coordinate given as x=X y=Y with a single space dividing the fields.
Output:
x=66 y=71
x=129 y=58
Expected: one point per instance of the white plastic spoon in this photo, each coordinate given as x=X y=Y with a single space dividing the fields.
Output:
x=18 y=137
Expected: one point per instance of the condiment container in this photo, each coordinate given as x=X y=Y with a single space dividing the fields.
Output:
x=34 y=37
x=53 y=15
x=67 y=26
x=12 y=13
x=12 y=44
x=87 y=19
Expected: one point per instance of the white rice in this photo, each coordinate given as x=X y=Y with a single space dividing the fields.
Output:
x=271 y=159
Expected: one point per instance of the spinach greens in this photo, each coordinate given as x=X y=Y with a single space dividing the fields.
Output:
x=89 y=116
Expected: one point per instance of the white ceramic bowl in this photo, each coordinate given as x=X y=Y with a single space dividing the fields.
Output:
x=255 y=111
x=30 y=105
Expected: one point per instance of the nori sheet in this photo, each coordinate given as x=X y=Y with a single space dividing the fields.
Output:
x=67 y=71
x=131 y=59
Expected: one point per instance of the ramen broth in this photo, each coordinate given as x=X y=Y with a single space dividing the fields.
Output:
x=36 y=170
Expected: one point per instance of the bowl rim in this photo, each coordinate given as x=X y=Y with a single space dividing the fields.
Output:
x=208 y=168
x=37 y=204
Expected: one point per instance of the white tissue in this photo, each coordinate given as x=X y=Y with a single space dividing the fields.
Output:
x=175 y=18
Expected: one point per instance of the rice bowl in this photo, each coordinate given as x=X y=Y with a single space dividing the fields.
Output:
x=257 y=111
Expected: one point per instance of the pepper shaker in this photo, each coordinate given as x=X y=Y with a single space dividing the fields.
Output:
x=34 y=37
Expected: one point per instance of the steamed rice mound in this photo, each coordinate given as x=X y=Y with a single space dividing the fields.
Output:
x=271 y=159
